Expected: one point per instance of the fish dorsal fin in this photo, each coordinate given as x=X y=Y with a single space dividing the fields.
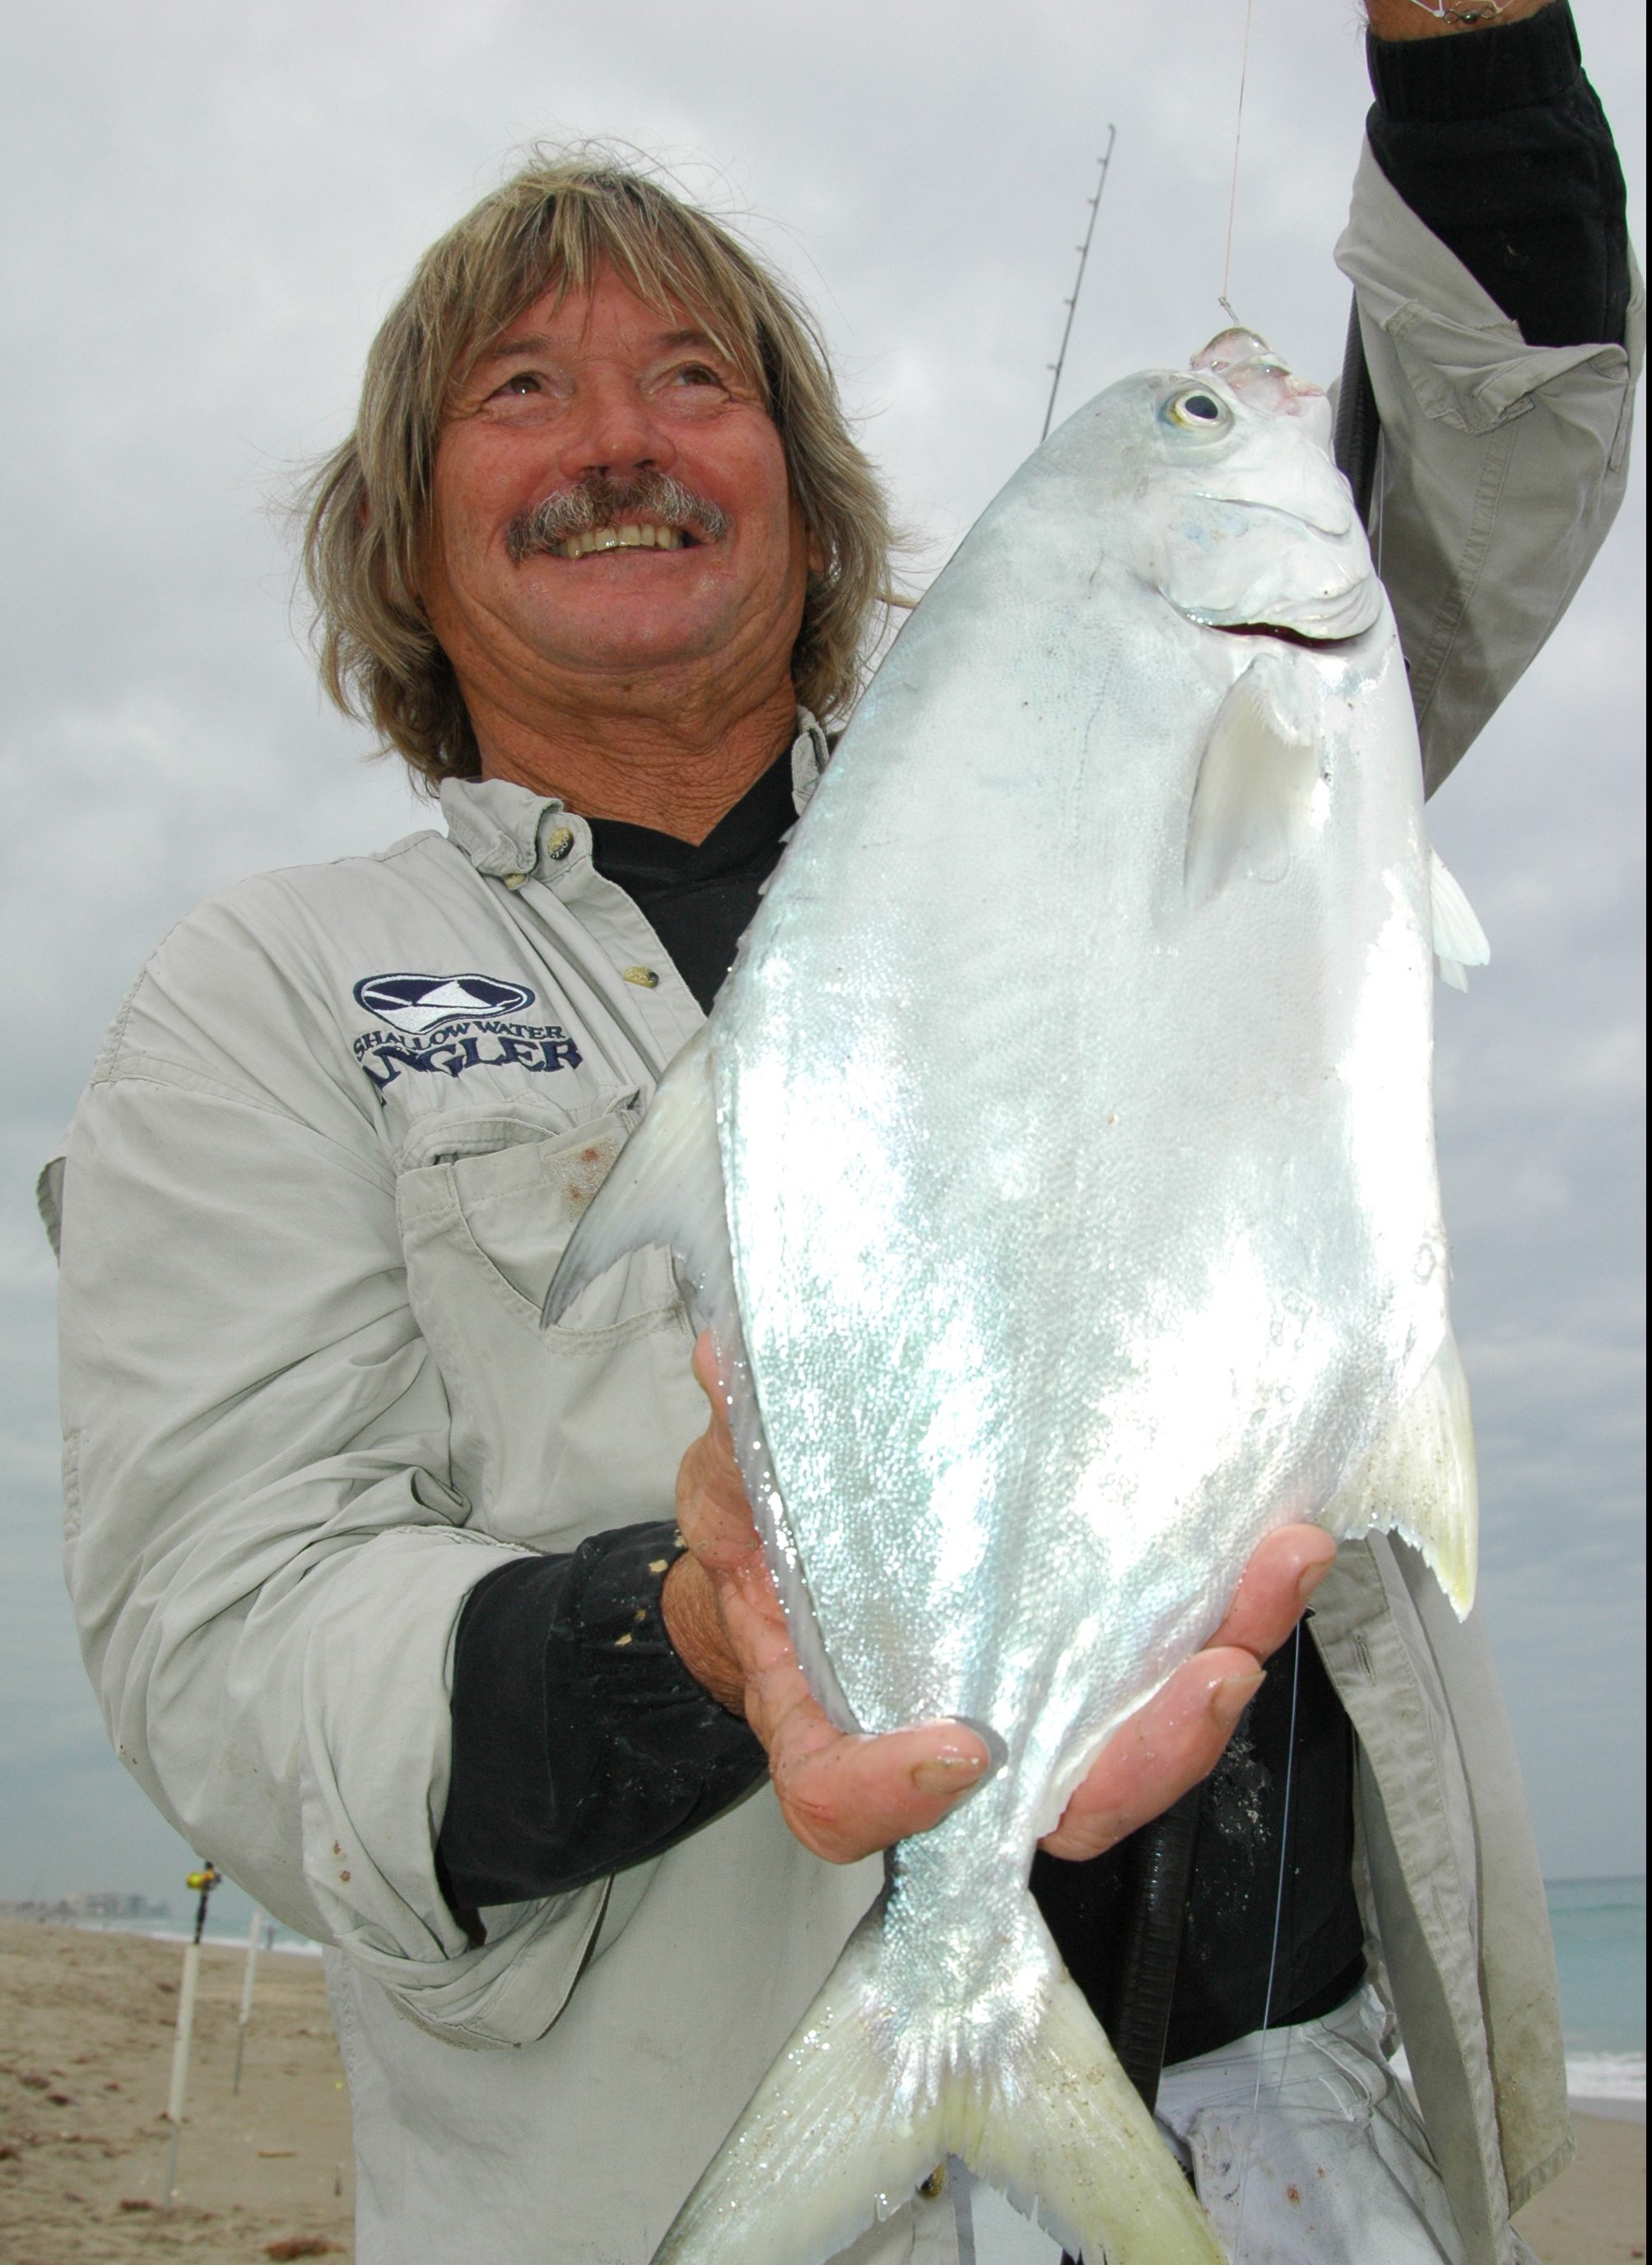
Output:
x=1419 y=1479
x=666 y=1187
x=1459 y=941
x=1253 y=798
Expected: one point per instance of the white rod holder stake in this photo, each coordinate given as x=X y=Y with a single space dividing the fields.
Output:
x=250 y=1971
x=203 y=1881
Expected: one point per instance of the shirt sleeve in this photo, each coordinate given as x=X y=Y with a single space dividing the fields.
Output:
x=1497 y=140
x=581 y=1744
x=1502 y=458
x=267 y=1554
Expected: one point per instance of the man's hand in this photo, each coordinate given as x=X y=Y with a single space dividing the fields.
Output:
x=847 y=1796
x=1408 y=20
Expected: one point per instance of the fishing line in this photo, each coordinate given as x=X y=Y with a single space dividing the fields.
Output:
x=1273 y=1955
x=1222 y=298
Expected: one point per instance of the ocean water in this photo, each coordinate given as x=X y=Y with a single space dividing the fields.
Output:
x=1599 y=1928
x=1600 y=1949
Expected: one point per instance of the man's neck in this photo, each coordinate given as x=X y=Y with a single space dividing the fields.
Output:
x=678 y=775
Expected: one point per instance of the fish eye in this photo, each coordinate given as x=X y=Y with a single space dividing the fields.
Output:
x=1197 y=410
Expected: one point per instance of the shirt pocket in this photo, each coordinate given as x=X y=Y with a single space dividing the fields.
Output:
x=559 y=1433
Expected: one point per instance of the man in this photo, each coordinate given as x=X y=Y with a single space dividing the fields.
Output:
x=381 y=1588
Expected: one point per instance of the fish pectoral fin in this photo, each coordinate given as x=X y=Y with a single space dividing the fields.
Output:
x=1420 y=1481
x=666 y=1187
x=1252 y=800
x=1459 y=941
x=872 y=2091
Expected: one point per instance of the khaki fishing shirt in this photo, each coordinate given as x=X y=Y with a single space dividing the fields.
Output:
x=307 y=1215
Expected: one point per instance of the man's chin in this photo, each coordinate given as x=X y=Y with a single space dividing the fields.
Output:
x=628 y=631
x=648 y=653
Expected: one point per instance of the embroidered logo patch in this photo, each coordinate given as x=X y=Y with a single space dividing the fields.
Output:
x=446 y=1024
x=424 y=1002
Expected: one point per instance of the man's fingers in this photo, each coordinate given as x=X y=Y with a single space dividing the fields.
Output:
x=713 y=1515
x=1176 y=1739
x=1283 y=1574
x=703 y=1361
x=845 y=1797
x=712 y=1511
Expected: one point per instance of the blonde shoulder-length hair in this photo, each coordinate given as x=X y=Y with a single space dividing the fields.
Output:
x=558 y=221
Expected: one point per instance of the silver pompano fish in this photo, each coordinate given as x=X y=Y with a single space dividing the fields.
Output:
x=1057 y=1171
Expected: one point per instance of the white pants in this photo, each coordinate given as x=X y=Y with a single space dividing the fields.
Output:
x=1327 y=2162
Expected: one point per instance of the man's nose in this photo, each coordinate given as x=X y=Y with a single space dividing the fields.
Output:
x=612 y=431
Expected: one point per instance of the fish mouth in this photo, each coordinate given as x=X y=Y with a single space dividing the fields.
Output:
x=1285 y=635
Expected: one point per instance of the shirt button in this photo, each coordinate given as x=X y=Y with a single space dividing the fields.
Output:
x=558 y=844
x=513 y=880
x=645 y=976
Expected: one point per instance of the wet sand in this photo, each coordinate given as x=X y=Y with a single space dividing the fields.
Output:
x=86 y=2025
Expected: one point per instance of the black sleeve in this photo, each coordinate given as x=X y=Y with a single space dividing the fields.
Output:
x=1498 y=141
x=581 y=1744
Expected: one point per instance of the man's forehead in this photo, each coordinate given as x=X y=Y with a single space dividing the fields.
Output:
x=562 y=320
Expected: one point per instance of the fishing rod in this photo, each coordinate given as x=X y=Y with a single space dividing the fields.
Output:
x=1059 y=363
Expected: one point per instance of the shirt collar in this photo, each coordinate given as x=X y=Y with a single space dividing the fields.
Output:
x=510 y=831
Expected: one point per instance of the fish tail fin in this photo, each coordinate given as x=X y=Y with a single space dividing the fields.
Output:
x=867 y=2100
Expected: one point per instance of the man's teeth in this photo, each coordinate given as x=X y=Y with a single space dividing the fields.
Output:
x=622 y=538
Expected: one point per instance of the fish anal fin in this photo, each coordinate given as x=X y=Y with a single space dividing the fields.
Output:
x=1459 y=941
x=869 y=2095
x=1253 y=799
x=1419 y=1480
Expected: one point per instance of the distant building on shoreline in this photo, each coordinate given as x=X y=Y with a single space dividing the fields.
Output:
x=89 y=1907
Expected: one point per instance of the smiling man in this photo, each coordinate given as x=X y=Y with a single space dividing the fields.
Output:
x=617 y=564
x=450 y=1639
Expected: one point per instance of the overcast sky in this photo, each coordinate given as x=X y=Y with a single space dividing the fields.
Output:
x=212 y=207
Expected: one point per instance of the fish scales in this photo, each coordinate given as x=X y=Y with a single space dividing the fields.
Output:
x=1068 y=1220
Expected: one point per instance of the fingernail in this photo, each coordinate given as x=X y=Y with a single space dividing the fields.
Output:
x=1233 y=1694
x=944 y=1776
x=1309 y=1578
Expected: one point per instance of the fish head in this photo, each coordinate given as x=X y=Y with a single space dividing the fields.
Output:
x=1249 y=365
x=1225 y=499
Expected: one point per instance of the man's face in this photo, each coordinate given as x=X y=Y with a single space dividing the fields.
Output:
x=609 y=430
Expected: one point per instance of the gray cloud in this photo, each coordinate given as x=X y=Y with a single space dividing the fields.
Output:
x=219 y=205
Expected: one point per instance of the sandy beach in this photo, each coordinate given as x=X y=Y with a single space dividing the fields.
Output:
x=86 y=2025
x=86 y=2028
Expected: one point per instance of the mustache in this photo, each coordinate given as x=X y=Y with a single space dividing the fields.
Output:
x=603 y=502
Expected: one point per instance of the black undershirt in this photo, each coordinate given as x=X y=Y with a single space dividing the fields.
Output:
x=699 y=901
x=575 y=1755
